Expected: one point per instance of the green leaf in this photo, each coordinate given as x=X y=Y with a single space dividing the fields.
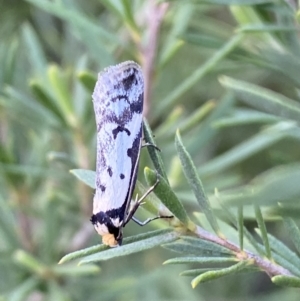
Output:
x=195 y=272
x=101 y=248
x=245 y=117
x=152 y=202
x=86 y=176
x=25 y=108
x=8 y=227
x=92 y=34
x=197 y=246
x=286 y=281
x=206 y=245
x=82 y=253
x=29 y=262
x=76 y=271
x=211 y=275
x=131 y=248
x=22 y=291
x=194 y=78
x=196 y=118
x=240 y=226
x=88 y=79
x=290 y=266
x=276 y=185
x=202 y=260
x=293 y=231
x=282 y=250
x=35 y=53
x=154 y=153
x=60 y=87
x=253 y=28
x=235 y=2
x=166 y=195
x=246 y=149
x=195 y=182
x=263 y=230
x=263 y=99
x=46 y=101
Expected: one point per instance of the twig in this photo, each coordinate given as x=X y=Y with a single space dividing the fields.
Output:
x=266 y=265
x=155 y=14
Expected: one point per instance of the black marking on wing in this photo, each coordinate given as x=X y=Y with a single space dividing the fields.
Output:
x=133 y=151
x=99 y=185
x=105 y=218
x=120 y=97
x=122 y=176
x=130 y=80
x=137 y=106
x=120 y=129
x=109 y=170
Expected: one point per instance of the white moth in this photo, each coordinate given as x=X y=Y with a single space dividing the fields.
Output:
x=118 y=106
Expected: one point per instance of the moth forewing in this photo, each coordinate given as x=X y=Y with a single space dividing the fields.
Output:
x=118 y=106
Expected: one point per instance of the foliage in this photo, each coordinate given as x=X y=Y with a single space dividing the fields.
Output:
x=223 y=72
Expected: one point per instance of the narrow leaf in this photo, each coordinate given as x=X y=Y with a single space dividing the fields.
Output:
x=153 y=152
x=86 y=176
x=211 y=275
x=197 y=246
x=205 y=260
x=195 y=272
x=195 y=182
x=244 y=150
x=206 y=245
x=21 y=292
x=286 y=281
x=60 y=87
x=263 y=230
x=263 y=99
x=280 y=260
x=131 y=248
x=88 y=80
x=194 y=78
x=46 y=101
x=281 y=249
x=196 y=118
x=152 y=202
x=240 y=226
x=76 y=271
x=166 y=195
x=100 y=248
x=293 y=231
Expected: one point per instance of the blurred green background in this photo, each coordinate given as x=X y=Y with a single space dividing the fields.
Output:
x=226 y=73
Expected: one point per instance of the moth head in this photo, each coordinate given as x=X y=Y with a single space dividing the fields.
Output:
x=109 y=240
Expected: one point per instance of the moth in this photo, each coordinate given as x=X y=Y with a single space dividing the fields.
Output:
x=118 y=105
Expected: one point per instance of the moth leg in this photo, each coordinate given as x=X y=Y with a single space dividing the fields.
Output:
x=137 y=203
x=147 y=144
x=148 y=220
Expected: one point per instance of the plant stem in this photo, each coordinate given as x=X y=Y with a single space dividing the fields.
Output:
x=266 y=265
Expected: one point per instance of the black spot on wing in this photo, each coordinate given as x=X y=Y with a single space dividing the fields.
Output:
x=109 y=170
x=122 y=176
